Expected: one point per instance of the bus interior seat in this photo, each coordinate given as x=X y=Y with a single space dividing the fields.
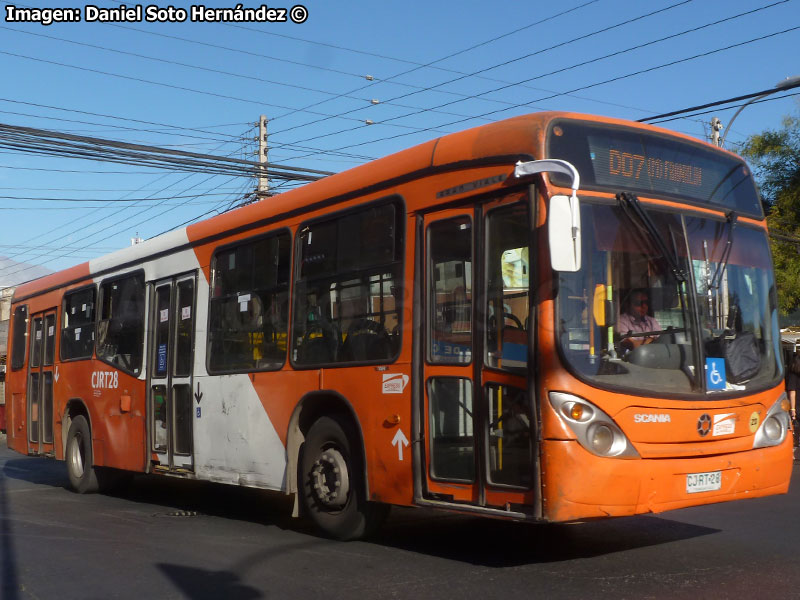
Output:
x=320 y=344
x=366 y=340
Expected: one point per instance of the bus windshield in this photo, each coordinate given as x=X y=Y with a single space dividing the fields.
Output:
x=685 y=306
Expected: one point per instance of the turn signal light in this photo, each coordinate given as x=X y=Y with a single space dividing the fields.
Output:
x=786 y=405
x=576 y=412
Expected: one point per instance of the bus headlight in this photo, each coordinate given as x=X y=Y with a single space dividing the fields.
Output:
x=775 y=426
x=601 y=438
x=773 y=429
x=593 y=428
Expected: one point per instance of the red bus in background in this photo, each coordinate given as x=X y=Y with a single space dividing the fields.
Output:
x=440 y=328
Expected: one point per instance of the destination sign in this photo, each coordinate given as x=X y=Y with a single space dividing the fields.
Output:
x=616 y=159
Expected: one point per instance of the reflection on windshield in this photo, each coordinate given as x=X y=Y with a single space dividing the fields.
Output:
x=630 y=319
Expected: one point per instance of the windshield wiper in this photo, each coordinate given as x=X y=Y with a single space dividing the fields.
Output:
x=633 y=208
x=726 y=254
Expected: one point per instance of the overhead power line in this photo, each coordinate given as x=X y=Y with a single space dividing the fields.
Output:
x=706 y=112
x=590 y=85
x=479 y=72
x=711 y=105
x=40 y=141
x=62 y=232
x=229 y=138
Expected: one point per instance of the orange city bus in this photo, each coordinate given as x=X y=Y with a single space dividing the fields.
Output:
x=451 y=326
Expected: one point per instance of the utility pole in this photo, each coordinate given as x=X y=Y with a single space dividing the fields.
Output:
x=263 y=182
x=716 y=127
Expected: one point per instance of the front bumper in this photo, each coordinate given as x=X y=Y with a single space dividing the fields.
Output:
x=578 y=485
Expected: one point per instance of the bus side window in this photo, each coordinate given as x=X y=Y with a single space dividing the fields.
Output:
x=77 y=324
x=18 y=339
x=450 y=282
x=348 y=288
x=507 y=268
x=249 y=305
x=120 y=330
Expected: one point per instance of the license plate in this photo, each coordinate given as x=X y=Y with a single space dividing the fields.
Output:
x=703 y=482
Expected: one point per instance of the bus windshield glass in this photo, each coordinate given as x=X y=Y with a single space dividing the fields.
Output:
x=702 y=320
x=615 y=160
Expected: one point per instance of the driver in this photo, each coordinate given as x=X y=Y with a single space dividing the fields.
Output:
x=637 y=320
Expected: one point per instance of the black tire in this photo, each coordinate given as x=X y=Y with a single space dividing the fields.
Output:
x=80 y=467
x=332 y=482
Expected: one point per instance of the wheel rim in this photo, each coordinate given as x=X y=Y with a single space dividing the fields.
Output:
x=330 y=479
x=76 y=455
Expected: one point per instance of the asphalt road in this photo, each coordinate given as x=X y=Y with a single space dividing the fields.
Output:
x=161 y=538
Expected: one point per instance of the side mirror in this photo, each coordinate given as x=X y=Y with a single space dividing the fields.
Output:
x=564 y=233
x=564 y=217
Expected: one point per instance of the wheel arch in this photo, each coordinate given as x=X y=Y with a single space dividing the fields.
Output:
x=311 y=407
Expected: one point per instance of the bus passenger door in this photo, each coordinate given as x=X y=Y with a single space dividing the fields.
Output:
x=40 y=383
x=452 y=444
x=170 y=404
x=479 y=434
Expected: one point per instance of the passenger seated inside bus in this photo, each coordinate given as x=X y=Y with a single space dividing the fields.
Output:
x=635 y=319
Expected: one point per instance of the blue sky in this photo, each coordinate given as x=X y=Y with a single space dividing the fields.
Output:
x=436 y=67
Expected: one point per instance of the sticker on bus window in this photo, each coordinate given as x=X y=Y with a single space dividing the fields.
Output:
x=164 y=315
x=162 y=358
x=51 y=331
x=186 y=313
x=715 y=373
x=77 y=334
x=244 y=300
x=38 y=334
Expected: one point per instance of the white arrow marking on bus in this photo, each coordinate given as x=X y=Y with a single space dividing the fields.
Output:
x=400 y=440
x=55 y=375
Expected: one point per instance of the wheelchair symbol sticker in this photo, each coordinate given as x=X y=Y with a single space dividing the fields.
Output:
x=715 y=373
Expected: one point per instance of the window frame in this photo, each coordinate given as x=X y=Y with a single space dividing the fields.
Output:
x=532 y=257
x=17 y=352
x=61 y=345
x=233 y=246
x=398 y=203
x=143 y=315
x=430 y=284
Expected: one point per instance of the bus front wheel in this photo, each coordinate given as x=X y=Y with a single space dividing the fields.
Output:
x=82 y=475
x=333 y=490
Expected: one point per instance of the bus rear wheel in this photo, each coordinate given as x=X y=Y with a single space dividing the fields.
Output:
x=333 y=491
x=82 y=474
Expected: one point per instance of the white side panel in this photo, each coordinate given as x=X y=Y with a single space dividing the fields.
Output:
x=162 y=243
x=235 y=441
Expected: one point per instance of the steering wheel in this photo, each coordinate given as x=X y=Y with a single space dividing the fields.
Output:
x=517 y=323
x=322 y=326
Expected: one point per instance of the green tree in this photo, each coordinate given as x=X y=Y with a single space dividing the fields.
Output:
x=775 y=156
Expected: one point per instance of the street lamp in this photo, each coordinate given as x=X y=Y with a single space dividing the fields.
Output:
x=785 y=84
